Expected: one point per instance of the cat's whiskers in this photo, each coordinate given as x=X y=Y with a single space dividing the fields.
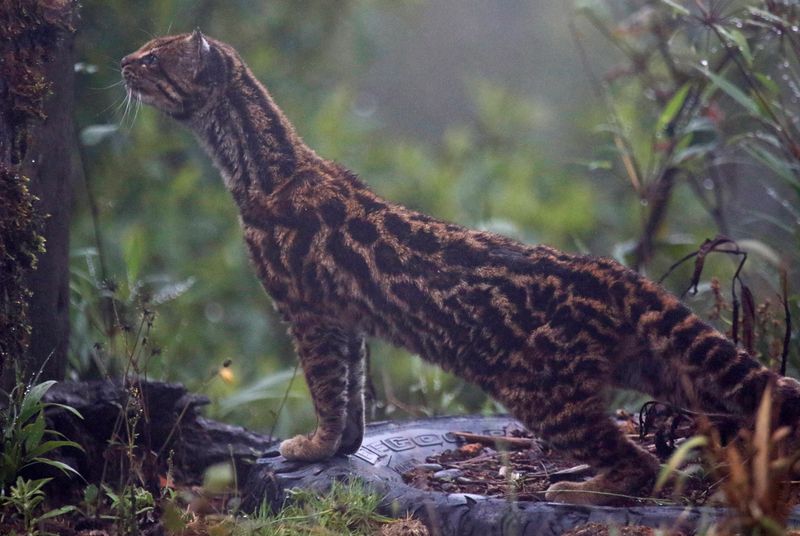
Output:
x=138 y=106
x=127 y=109
x=115 y=105
x=104 y=88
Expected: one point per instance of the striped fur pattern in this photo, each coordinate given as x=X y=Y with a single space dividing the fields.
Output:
x=544 y=332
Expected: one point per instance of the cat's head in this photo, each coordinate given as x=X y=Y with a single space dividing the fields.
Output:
x=178 y=74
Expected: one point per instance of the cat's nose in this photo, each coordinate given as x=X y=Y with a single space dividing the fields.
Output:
x=126 y=60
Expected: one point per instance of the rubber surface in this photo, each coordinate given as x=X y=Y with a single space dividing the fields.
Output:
x=391 y=448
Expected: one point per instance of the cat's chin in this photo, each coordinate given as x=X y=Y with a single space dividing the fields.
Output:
x=155 y=102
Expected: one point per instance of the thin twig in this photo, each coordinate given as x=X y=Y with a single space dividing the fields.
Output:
x=787 y=315
x=514 y=443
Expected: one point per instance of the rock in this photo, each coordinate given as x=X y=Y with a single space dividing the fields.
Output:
x=447 y=475
x=429 y=467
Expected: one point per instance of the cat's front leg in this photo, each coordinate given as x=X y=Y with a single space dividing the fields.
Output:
x=323 y=352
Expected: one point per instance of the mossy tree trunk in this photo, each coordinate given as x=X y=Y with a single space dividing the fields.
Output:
x=36 y=140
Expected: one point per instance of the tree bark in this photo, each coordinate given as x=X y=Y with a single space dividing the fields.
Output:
x=36 y=84
x=50 y=166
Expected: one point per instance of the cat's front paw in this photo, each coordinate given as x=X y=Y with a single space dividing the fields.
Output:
x=307 y=449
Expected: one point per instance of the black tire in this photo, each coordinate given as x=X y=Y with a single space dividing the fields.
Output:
x=391 y=448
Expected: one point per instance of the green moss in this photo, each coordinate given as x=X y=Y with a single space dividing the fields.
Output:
x=20 y=242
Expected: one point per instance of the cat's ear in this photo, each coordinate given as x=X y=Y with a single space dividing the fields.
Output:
x=200 y=41
x=209 y=67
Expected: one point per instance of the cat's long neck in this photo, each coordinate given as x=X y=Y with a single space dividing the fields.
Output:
x=250 y=140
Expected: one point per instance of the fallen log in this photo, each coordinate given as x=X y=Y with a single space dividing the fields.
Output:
x=164 y=420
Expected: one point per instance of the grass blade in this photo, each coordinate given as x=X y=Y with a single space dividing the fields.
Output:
x=733 y=92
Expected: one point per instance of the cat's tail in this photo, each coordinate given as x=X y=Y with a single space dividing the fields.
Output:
x=715 y=374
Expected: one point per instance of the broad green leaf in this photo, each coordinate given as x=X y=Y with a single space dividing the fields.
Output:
x=32 y=434
x=66 y=469
x=31 y=401
x=90 y=493
x=260 y=390
x=733 y=92
x=65 y=407
x=672 y=109
x=134 y=250
x=47 y=446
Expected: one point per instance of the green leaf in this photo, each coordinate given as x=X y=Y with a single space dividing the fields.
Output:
x=769 y=84
x=677 y=459
x=761 y=249
x=57 y=512
x=31 y=402
x=785 y=170
x=66 y=469
x=672 y=109
x=91 y=493
x=260 y=390
x=67 y=408
x=766 y=15
x=677 y=7
x=32 y=486
x=218 y=478
x=47 y=446
x=110 y=493
x=733 y=92
x=737 y=38
x=700 y=125
x=693 y=151
x=32 y=434
x=134 y=250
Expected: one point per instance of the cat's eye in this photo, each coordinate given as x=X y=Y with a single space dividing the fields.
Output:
x=150 y=59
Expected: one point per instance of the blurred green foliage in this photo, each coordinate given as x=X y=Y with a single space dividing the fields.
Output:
x=155 y=229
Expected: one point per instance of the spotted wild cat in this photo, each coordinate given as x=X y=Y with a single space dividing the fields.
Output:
x=544 y=332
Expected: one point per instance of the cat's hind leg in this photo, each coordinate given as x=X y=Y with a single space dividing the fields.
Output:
x=564 y=399
x=587 y=434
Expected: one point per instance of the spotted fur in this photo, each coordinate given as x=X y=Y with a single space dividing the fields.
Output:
x=544 y=332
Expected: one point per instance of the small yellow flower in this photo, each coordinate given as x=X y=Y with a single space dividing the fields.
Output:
x=226 y=374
